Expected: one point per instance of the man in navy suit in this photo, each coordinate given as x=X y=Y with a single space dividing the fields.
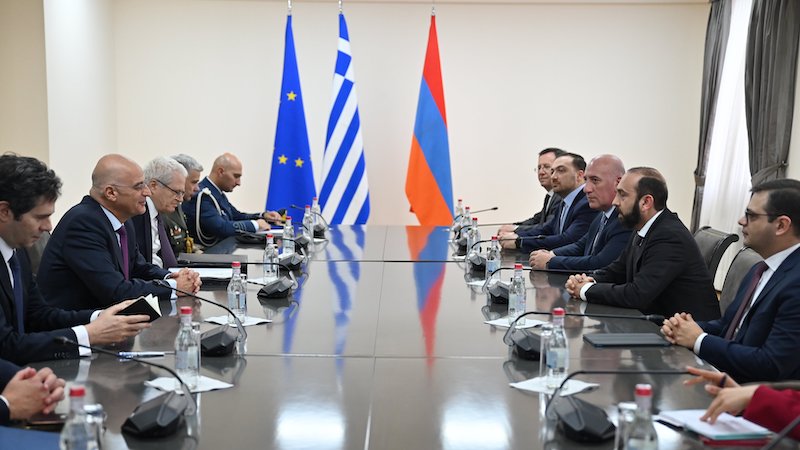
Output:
x=758 y=337
x=92 y=260
x=209 y=214
x=607 y=236
x=27 y=392
x=166 y=179
x=572 y=218
x=28 y=326
x=544 y=172
x=661 y=270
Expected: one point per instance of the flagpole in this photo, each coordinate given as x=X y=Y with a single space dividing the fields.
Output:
x=290 y=6
x=340 y=6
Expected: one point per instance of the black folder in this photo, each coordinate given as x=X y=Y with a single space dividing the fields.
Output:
x=626 y=340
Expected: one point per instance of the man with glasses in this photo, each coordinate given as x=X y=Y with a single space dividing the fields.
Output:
x=175 y=222
x=166 y=179
x=758 y=337
x=92 y=260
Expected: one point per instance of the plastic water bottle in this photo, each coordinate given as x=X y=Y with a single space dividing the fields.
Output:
x=78 y=433
x=237 y=294
x=642 y=435
x=557 y=351
x=315 y=209
x=466 y=219
x=517 y=297
x=459 y=209
x=544 y=341
x=187 y=350
x=288 y=236
x=473 y=236
x=308 y=224
x=493 y=259
x=270 y=258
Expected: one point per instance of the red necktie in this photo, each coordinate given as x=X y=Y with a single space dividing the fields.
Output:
x=747 y=299
x=123 y=245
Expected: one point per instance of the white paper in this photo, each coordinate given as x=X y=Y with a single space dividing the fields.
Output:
x=218 y=273
x=478 y=283
x=204 y=384
x=153 y=302
x=248 y=321
x=459 y=258
x=726 y=427
x=503 y=323
x=539 y=384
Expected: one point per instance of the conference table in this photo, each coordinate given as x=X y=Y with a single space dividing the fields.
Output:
x=383 y=346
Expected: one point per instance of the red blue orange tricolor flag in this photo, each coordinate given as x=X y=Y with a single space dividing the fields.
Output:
x=429 y=185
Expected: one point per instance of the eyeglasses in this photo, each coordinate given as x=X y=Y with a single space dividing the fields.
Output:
x=750 y=215
x=140 y=186
x=178 y=194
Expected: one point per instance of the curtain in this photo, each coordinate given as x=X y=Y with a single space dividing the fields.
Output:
x=771 y=66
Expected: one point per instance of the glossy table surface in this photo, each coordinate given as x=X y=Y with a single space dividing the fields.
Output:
x=384 y=354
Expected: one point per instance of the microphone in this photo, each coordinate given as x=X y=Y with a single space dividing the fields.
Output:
x=528 y=345
x=493 y=208
x=498 y=292
x=584 y=422
x=160 y=416
x=218 y=341
x=318 y=227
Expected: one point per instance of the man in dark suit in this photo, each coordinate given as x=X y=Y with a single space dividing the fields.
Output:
x=544 y=171
x=758 y=337
x=661 y=270
x=572 y=218
x=28 y=326
x=209 y=214
x=27 y=392
x=606 y=237
x=92 y=260
x=166 y=179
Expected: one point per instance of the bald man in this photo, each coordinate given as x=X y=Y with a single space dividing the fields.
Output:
x=92 y=260
x=209 y=214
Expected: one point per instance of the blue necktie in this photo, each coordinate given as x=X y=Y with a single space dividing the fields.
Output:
x=563 y=217
x=597 y=236
x=16 y=272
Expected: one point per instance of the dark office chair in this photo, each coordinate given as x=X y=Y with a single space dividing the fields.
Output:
x=713 y=244
x=36 y=250
x=741 y=264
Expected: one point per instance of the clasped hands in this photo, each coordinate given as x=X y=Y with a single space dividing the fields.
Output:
x=681 y=329
x=575 y=283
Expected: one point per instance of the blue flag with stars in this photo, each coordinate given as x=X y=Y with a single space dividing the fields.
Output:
x=291 y=179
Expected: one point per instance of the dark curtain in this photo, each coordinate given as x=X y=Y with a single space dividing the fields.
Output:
x=770 y=70
x=719 y=22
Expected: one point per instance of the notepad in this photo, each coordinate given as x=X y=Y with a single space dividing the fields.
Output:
x=147 y=306
x=726 y=428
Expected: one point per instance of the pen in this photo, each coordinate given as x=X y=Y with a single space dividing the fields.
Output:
x=723 y=380
x=141 y=354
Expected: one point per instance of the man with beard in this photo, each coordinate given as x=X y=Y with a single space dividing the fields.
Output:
x=661 y=271
x=758 y=337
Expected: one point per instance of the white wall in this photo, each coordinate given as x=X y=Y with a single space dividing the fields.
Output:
x=203 y=77
x=80 y=91
x=23 y=94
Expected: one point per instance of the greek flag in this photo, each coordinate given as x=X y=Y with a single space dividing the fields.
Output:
x=345 y=250
x=344 y=196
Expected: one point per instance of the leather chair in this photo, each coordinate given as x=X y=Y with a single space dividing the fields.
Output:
x=712 y=244
x=741 y=264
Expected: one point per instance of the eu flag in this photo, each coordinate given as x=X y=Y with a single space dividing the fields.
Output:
x=291 y=179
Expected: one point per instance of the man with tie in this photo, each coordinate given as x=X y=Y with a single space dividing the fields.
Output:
x=544 y=171
x=606 y=238
x=175 y=222
x=572 y=218
x=29 y=326
x=209 y=214
x=92 y=259
x=166 y=179
x=758 y=336
x=661 y=270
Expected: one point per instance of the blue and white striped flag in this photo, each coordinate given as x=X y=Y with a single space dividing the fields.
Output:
x=344 y=252
x=344 y=196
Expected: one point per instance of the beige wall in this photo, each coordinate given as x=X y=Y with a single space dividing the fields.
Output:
x=23 y=95
x=150 y=77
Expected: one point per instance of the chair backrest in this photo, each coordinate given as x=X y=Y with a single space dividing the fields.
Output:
x=712 y=244
x=36 y=250
x=741 y=264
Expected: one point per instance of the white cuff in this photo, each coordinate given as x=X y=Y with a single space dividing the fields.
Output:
x=82 y=336
x=255 y=224
x=698 y=342
x=95 y=315
x=5 y=400
x=584 y=289
x=174 y=285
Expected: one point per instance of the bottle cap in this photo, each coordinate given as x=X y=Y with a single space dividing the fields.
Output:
x=559 y=312
x=236 y=264
x=474 y=219
x=186 y=310
x=269 y=236
x=308 y=206
x=461 y=200
x=288 y=217
x=494 y=238
x=313 y=199
x=77 y=391
x=517 y=266
x=466 y=208
x=644 y=390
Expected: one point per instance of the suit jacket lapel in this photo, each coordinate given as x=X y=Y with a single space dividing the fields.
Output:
x=788 y=264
